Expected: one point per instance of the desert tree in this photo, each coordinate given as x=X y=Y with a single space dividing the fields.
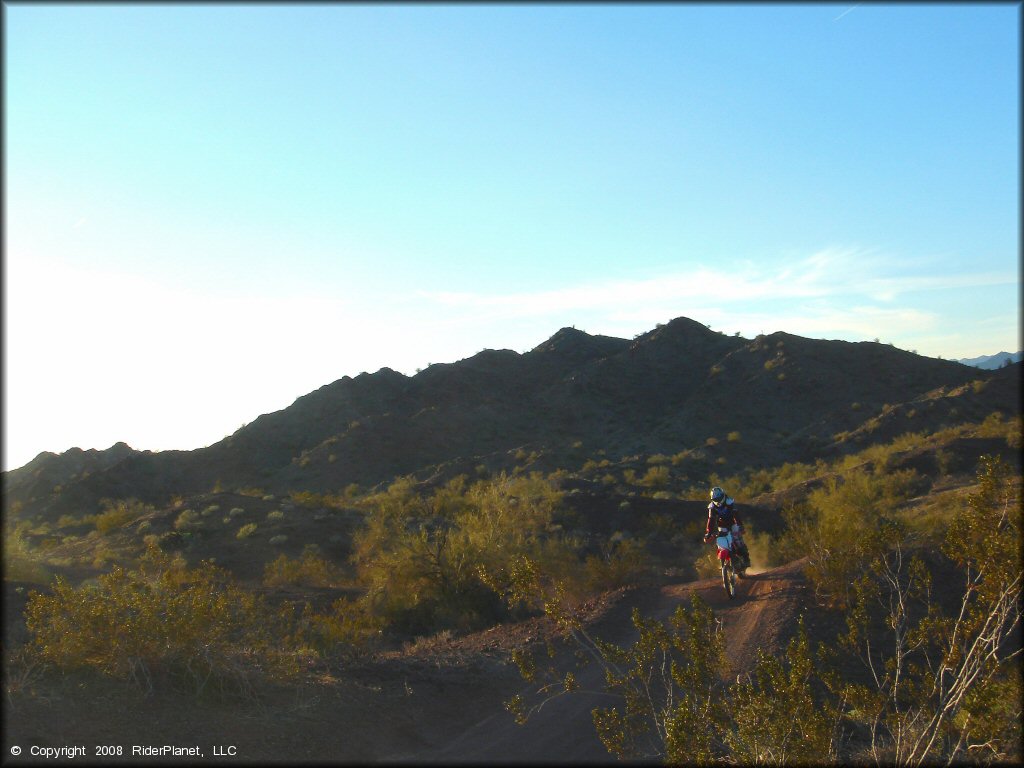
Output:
x=944 y=686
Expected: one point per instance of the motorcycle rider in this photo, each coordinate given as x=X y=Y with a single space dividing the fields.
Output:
x=722 y=514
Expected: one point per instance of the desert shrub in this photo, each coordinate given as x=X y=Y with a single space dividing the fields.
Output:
x=235 y=512
x=711 y=441
x=660 y=524
x=620 y=562
x=207 y=511
x=277 y=514
x=21 y=561
x=162 y=622
x=171 y=541
x=279 y=539
x=993 y=426
x=656 y=477
x=311 y=500
x=440 y=561
x=776 y=717
x=310 y=569
x=246 y=531
x=187 y=519
x=256 y=493
x=1015 y=432
x=733 y=437
x=348 y=628
x=143 y=527
x=68 y=521
x=847 y=522
x=117 y=513
x=707 y=564
x=944 y=685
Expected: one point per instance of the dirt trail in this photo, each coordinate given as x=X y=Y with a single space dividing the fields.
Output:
x=442 y=703
x=761 y=616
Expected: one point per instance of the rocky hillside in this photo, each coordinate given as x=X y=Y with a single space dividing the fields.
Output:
x=771 y=399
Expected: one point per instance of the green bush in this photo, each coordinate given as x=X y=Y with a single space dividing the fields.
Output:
x=441 y=561
x=118 y=513
x=162 y=622
x=777 y=719
x=246 y=531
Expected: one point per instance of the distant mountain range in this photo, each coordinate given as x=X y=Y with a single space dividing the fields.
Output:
x=732 y=402
x=991 y=362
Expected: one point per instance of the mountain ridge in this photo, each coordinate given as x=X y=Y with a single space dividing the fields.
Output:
x=679 y=386
x=991 y=362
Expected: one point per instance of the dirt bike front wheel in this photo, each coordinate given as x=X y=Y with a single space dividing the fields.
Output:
x=729 y=579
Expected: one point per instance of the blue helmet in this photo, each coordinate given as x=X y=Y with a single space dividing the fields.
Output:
x=717 y=495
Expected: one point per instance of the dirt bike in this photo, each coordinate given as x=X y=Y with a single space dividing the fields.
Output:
x=733 y=562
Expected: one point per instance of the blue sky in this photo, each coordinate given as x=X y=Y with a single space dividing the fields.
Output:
x=212 y=210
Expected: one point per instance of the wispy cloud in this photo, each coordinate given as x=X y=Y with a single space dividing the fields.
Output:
x=854 y=275
x=848 y=10
x=837 y=293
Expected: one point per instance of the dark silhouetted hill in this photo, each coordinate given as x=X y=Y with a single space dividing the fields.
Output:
x=680 y=386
